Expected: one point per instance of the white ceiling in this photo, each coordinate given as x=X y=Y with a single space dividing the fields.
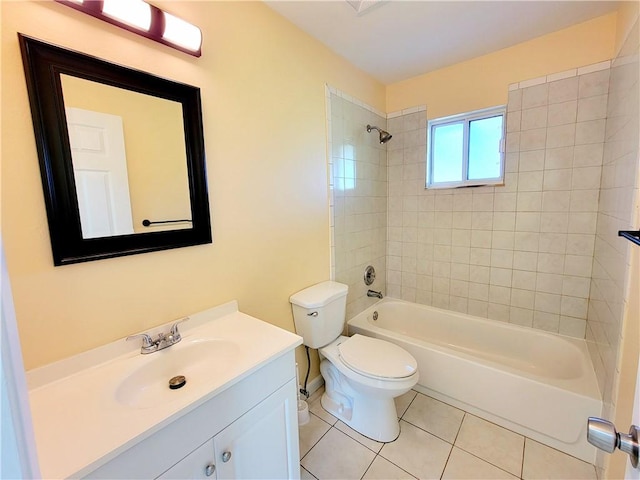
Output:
x=394 y=40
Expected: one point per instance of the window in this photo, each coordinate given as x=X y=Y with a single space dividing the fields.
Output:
x=466 y=150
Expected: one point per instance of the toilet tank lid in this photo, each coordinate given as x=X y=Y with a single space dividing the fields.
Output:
x=319 y=295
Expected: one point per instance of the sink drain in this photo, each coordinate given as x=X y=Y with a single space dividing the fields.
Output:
x=176 y=382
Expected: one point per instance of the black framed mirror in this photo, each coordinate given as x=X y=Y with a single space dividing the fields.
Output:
x=121 y=156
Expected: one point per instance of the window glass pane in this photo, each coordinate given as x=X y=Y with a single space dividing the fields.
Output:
x=446 y=144
x=485 y=136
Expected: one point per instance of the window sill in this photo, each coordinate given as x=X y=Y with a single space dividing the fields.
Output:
x=444 y=186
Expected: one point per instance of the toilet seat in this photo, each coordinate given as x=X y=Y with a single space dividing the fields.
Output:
x=376 y=358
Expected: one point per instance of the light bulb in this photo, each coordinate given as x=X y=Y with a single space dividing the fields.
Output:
x=181 y=33
x=135 y=13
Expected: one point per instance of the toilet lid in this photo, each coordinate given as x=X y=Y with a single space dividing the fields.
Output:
x=376 y=358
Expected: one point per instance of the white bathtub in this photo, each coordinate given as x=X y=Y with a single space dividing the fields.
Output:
x=535 y=383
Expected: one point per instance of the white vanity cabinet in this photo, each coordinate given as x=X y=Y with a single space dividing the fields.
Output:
x=199 y=464
x=258 y=445
x=109 y=412
x=261 y=443
x=248 y=431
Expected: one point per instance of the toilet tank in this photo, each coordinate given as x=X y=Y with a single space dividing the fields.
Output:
x=319 y=312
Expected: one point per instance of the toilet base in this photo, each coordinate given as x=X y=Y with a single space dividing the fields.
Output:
x=370 y=413
x=375 y=420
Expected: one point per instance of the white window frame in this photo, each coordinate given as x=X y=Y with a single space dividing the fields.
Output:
x=466 y=118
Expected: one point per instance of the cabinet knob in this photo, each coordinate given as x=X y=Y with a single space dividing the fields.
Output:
x=209 y=469
x=226 y=456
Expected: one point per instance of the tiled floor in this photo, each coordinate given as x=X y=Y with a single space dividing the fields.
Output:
x=436 y=441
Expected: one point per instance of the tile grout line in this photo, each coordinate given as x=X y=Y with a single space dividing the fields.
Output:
x=317 y=441
x=379 y=453
x=309 y=472
x=524 y=437
x=427 y=431
x=401 y=418
x=367 y=469
x=395 y=464
x=453 y=445
x=488 y=462
x=444 y=467
x=524 y=447
x=460 y=427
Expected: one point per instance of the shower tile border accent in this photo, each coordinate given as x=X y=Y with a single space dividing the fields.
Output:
x=596 y=67
x=407 y=111
x=332 y=90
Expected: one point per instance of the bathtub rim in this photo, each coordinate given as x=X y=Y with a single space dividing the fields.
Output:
x=586 y=384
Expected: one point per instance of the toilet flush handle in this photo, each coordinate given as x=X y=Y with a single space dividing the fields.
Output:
x=312 y=314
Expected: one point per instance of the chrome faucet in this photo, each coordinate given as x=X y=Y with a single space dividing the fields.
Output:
x=373 y=293
x=162 y=341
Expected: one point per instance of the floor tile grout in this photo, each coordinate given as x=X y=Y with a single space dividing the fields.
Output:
x=444 y=468
x=524 y=446
x=487 y=461
x=451 y=444
x=321 y=436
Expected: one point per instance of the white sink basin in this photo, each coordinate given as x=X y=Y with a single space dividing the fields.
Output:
x=198 y=360
x=88 y=408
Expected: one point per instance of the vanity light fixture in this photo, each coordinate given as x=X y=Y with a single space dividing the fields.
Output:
x=140 y=17
x=134 y=13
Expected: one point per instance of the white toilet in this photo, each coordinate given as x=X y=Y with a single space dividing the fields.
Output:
x=362 y=375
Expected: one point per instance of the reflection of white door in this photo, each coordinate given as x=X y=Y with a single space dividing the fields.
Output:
x=100 y=170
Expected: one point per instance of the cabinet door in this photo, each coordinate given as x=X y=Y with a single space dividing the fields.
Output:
x=263 y=443
x=197 y=465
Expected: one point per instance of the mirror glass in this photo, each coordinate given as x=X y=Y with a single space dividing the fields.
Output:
x=129 y=159
x=121 y=156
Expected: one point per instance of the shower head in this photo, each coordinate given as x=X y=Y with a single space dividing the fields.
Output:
x=384 y=136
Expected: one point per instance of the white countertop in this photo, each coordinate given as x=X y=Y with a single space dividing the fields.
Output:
x=79 y=424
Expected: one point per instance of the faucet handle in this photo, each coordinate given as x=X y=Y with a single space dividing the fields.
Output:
x=147 y=341
x=175 y=333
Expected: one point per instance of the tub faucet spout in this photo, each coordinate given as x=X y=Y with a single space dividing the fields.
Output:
x=373 y=293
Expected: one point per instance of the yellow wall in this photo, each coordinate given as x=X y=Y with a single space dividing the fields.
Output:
x=262 y=84
x=626 y=19
x=484 y=81
x=263 y=93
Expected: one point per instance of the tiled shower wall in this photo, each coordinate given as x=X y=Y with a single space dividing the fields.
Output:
x=522 y=252
x=358 y=186
x=540 y=251
x=619 y=199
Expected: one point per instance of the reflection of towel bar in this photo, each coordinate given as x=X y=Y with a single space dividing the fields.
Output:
x=148 y=223
x=634 y=236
